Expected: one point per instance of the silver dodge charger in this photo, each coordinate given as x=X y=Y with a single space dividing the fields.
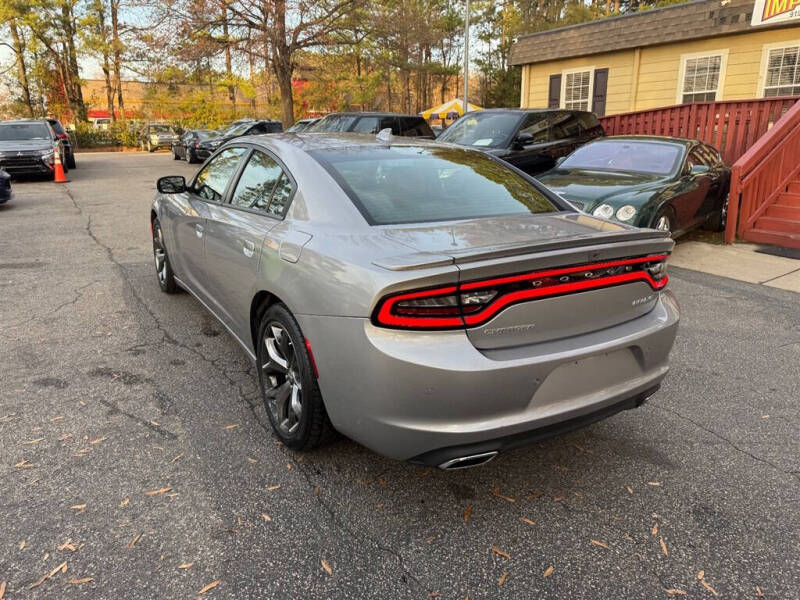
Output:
x=425 y=300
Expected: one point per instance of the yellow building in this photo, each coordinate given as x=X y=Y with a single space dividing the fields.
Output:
x=706 y=50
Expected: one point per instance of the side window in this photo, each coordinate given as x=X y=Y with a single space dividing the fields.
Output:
x=537 y=125
x=257 y=182
x=415 y=127
x=281 y=197
x=366 y=125
x=694 y=159
x=211 y=182
x=567 y=125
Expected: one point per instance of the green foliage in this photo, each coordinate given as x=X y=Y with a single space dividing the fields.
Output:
x=119 y=133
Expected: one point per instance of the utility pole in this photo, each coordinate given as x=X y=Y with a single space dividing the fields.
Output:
x=466 y=58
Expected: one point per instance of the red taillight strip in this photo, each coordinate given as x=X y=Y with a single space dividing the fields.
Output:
x=556 y=290
x=385 y=316
x=487 y=283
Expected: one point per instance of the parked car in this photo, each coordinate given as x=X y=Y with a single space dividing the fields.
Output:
x=186 y=146
x=531 y=140
x=27 y=147
x=672 y=184
x=5 y=187
x=101 y=123
x=372 y=122
x=301 y=125
x=479 y=311
x=69 y=154
x=246 y=127
x=156 y=135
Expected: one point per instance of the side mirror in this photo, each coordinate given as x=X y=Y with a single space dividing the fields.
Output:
x=171 y=184
x=699 y=170
x=560 y=159
x=523 y=139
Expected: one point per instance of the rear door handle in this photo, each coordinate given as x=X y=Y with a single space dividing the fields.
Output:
x=198 y=229
x=249 y=249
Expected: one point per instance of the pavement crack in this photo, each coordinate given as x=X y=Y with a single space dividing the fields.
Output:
x=726 y=440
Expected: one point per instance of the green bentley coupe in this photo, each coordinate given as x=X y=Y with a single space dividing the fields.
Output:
x=666 y=183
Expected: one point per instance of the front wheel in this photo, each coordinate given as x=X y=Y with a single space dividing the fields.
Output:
x=288 y=382
x=664 y=220
x=175 y=155
x=166 y=278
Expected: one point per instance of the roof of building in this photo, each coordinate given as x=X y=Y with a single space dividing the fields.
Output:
x=677 y=23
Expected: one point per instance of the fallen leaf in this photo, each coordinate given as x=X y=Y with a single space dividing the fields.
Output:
x=209 y=586
x=163 y=490
x=558 y=498
x=382 y=481
x=56 y=419
x=430 y=539
x=663 y=546
x=2 y=589
x=654 y=483
x=630 y=490
x=65 y=437
x=177 y=458
x=549 y=571
x=229 y=427
x=62 y=568
x=758 y=592
x=82 y=451
x=22 y=544
x=528 y=521
x=132 y=543
x=654 y=530
x=288 y=466
x=272 y=488
x=599 y=543
x=765 y=416
x=124 y=503
x=708 y=587
x=675 y=592
x=266 y=517
x=434 y=594
x=500 y=552
x=426 y=472
x=582 y=449
x=316 y=491
x=467 y=512
x=80 y=581
x=379 y=506
x=30 y=442
x=23 y=464
x=98 y=440
x=535 y=495
x=78 y=507
x=185 y=566
x=68 y=545
x=701 y=574
x=502 y=579
x=326 y=566
x=251 y=460
x=497 y=494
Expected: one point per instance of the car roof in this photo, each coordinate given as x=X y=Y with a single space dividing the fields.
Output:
x=526 y=111
x=309 y=142
x=370 y=114
x=25 y=121
x=650 y=138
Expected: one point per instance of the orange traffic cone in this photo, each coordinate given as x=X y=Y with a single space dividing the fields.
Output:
x=60 y=177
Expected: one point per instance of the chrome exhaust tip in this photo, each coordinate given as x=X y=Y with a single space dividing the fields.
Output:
x=469 y=461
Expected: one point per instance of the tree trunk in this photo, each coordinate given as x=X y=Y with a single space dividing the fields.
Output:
x=19 y=50
x=117 y=51
x=71 y=61
x=101 y=16
x=282 y=63
x=228 y=65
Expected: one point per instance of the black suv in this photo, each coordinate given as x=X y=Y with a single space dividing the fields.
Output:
x=372 y=122
x=69 y=154
x=27 y=147
x=236 y=129
x=531 y=140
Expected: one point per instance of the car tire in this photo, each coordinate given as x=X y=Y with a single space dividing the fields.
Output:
x=71 y=161
x=166 y=278
x=150 y=147
x=189 y=158
x=175 y=155
x=719 y=219
x=664 y=220
x=288 y=382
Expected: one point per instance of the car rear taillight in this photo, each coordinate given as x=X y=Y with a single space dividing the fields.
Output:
x=63 y=136
x=473 y=303
x=197 y=144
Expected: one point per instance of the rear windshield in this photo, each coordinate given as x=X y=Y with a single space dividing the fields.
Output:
x=24 y=131
x=415 y=184
x=332 y=123
x=160 y=129
x=56 y=125
x=654 y=158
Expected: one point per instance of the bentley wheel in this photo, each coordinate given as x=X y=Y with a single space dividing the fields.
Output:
x=166 y=279
x=664 y=221
x=719 y=219
x=288 y=382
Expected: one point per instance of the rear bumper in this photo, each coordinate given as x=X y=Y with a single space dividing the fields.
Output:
x=420 y=396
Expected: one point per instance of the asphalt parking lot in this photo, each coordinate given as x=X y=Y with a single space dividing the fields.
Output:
x=136 y=452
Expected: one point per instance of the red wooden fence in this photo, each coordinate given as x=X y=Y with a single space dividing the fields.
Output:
x=763 y=173
x=731 y=127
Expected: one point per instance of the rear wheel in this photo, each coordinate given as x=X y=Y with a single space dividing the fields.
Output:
x=189 y=157
x=71 y=160
x=718 y=221
x=288 y=382
x=166 y=278
x=175 y=155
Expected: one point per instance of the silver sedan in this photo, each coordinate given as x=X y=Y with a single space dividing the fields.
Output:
x=426 y=300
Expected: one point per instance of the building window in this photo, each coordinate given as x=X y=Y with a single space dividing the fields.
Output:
x=577 y=92
x=783 y=72
x=701 y=78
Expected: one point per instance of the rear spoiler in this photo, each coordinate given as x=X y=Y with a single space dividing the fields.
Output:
x=660 y=242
